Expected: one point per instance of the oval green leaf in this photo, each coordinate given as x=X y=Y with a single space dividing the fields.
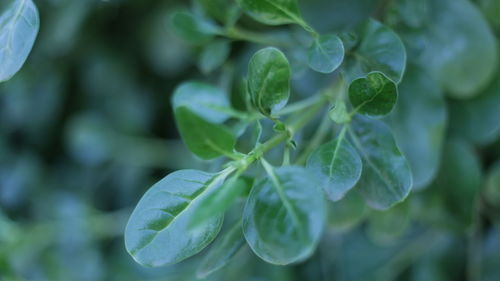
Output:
x=386 y=178
x=269 y=80
x=206 y=140
x=272 y=12
x=284 y=216
x=19 y=24
x=202 y=99
x=222 y=251
x=214 y=55
x=157 y=232
x=373 y=95
x=338 y=165
x=326 y=53
x=419 y=124
x=380 y=49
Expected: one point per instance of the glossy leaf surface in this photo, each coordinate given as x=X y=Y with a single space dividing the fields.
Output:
x=386 y=178
x=206 y=140
x=373 y=95
x=157 y=232
x=269 y=80
x=338 y=165
x=19 y=24
x=284 y=216
x=326 y=53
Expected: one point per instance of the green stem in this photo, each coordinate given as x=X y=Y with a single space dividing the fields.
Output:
x=236 y=33
x=316 y=140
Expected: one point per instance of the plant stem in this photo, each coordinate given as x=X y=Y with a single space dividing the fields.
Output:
x=236 y=33
x=316 y=140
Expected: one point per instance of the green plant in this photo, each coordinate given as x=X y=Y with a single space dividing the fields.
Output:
x=333 y=144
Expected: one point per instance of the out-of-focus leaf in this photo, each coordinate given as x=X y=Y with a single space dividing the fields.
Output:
x=214 y=55
x=460 y=49
x=381 y=50
x=202 y=99
x=418 y=123
x=386 y=227
x=222 y=252
x=348 y=212
x=373 y=95
x=326 y=53
x=225 y=11
x=284 y=216
x=19 y=24
x=477 y=119
x=206 y=140
x=458 y=183
x=338 y=165
x=491 y=9
x=386 y=178
x=192 y=28
x=158 y=233
x=269 y=80
x=492 y=187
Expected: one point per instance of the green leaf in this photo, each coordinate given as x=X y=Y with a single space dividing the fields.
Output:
x=225 y=11
x=458 y=183
x=477 y=119
x=157 y=232
x=339 y=113
x=219 y=200
x=338 y=165
x=222 y=252
x=379 y=50
x=419 y=124
x=206 y=140
x=273 y=12
x=326 y=53
x=269 y=80
x=19 y=24
x=386 y=178
x=348 y=212
x=492 y=187
x=460 y=48
x=194 y=29
x=214 y=55
x=202 y=99
x=373 y=95
x=284 y=216
x=386 y=227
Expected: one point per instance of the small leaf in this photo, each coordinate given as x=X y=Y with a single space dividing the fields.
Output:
x=214 y=55
x=202 y=99
x=339 y=113
x=219 y=200
x=157 y=232
x=326 y=53
x=269 y=80
x=193 y=29
x=381 y=50
x=225 y=11
x=373 y=95
x=386 y=178
x=338 y=165
x=19 y=24
x=222 y=252
x=284 y=216
x=206 y=140
x=273 y=12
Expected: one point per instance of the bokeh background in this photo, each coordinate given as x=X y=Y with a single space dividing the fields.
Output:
x=86 y=127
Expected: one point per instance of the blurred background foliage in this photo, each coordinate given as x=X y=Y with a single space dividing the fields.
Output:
x=86 y=127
